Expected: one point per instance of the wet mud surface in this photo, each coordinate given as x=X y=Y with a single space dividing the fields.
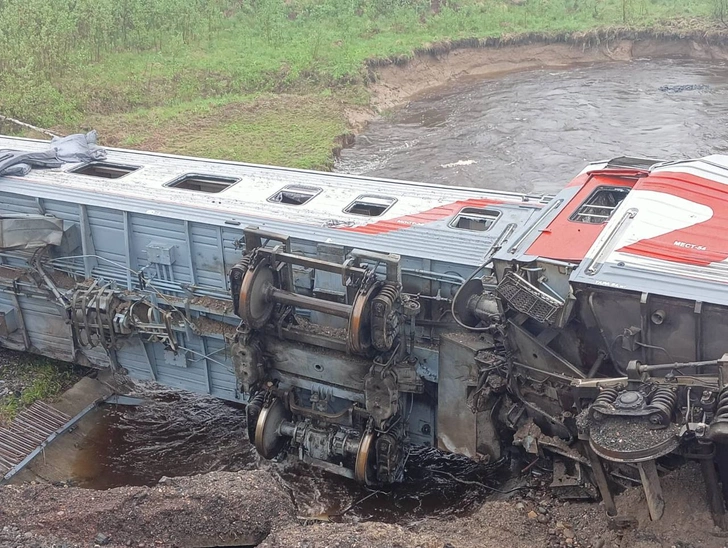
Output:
x=535 y=130
x=171 y=434
x=181 y=434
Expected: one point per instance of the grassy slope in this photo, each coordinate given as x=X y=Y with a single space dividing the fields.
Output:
x=30 y=378
x=272 y=84
x=296 y=130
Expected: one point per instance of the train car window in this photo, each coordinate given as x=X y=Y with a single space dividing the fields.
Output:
x=472 y=218
x=104 y=170
x=601 y=203
x=211 y=184
x=370 y=206
x=295 y=195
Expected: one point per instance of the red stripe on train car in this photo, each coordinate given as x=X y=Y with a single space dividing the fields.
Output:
x=435 y=214
x=700 y=244
x=567 y=240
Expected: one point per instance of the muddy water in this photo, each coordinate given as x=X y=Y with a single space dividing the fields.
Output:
x=177 y=433
x=172 y=434
x=526 y=132
x=533 y=131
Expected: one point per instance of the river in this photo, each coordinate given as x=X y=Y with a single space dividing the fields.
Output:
x=535 y=130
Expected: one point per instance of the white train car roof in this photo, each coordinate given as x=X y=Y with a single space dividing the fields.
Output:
x=669 y=235
x=409 y=218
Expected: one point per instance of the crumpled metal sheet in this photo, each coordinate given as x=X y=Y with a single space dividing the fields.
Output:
x=17 y=170
x=29 y=231
x=78 y=148
x=71 y=149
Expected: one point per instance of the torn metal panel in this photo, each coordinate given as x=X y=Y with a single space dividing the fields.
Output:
x=29 y=231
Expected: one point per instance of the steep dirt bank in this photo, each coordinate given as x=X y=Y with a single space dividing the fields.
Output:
x=248 y=508
x=217 y=509
x=397 y=81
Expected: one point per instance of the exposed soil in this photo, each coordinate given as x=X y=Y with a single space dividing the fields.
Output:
x=248 y=508
x=217 y=509
x=439 y=64
x=537 y=521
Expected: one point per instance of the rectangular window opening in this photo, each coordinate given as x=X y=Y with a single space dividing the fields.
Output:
x=600 y=205
x=104 y=170
x=210 y=184
x=472 y=218
x=370 y=206
x=295 y=195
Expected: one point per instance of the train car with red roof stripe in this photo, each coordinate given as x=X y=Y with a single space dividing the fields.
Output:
x=357 y=317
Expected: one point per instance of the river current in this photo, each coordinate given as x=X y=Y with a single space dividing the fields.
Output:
x=535 y=130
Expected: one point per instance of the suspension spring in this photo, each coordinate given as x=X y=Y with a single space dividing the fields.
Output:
x=389 y=291
x=722 y=411
x=607 y=396
x=236 y=279
x=252 y=411
x=718 y=431
x=382 y=318
x=663 y=405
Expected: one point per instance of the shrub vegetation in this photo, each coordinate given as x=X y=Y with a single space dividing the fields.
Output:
x=32 y=378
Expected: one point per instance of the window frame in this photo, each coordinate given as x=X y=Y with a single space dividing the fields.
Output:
x=211 y=179
x=129 y=168
x=310 y=191
x=574 y=217
x=362 y=199
x=464 y=212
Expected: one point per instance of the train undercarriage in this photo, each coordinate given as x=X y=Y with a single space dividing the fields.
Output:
x=588 y=327
x=504 y=376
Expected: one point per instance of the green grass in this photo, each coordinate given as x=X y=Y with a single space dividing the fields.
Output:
x=324 y=48
x=284 y=129
x=129 y=60
x=42 y=379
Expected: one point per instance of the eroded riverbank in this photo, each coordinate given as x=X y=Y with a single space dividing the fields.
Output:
x=534 y=130
x=257 y=128
x=398 y=81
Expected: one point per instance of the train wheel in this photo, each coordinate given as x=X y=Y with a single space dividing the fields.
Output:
x=268 y=440
x=363 y=468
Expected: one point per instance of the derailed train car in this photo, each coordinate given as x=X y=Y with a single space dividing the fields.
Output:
x=357 y=316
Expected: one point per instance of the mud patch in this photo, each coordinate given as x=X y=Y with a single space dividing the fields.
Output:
x=217 y=509
x=173 y=434
x=535 y=520
x=180 y=434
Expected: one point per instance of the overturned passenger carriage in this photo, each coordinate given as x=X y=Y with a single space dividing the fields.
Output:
x=356 y=317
